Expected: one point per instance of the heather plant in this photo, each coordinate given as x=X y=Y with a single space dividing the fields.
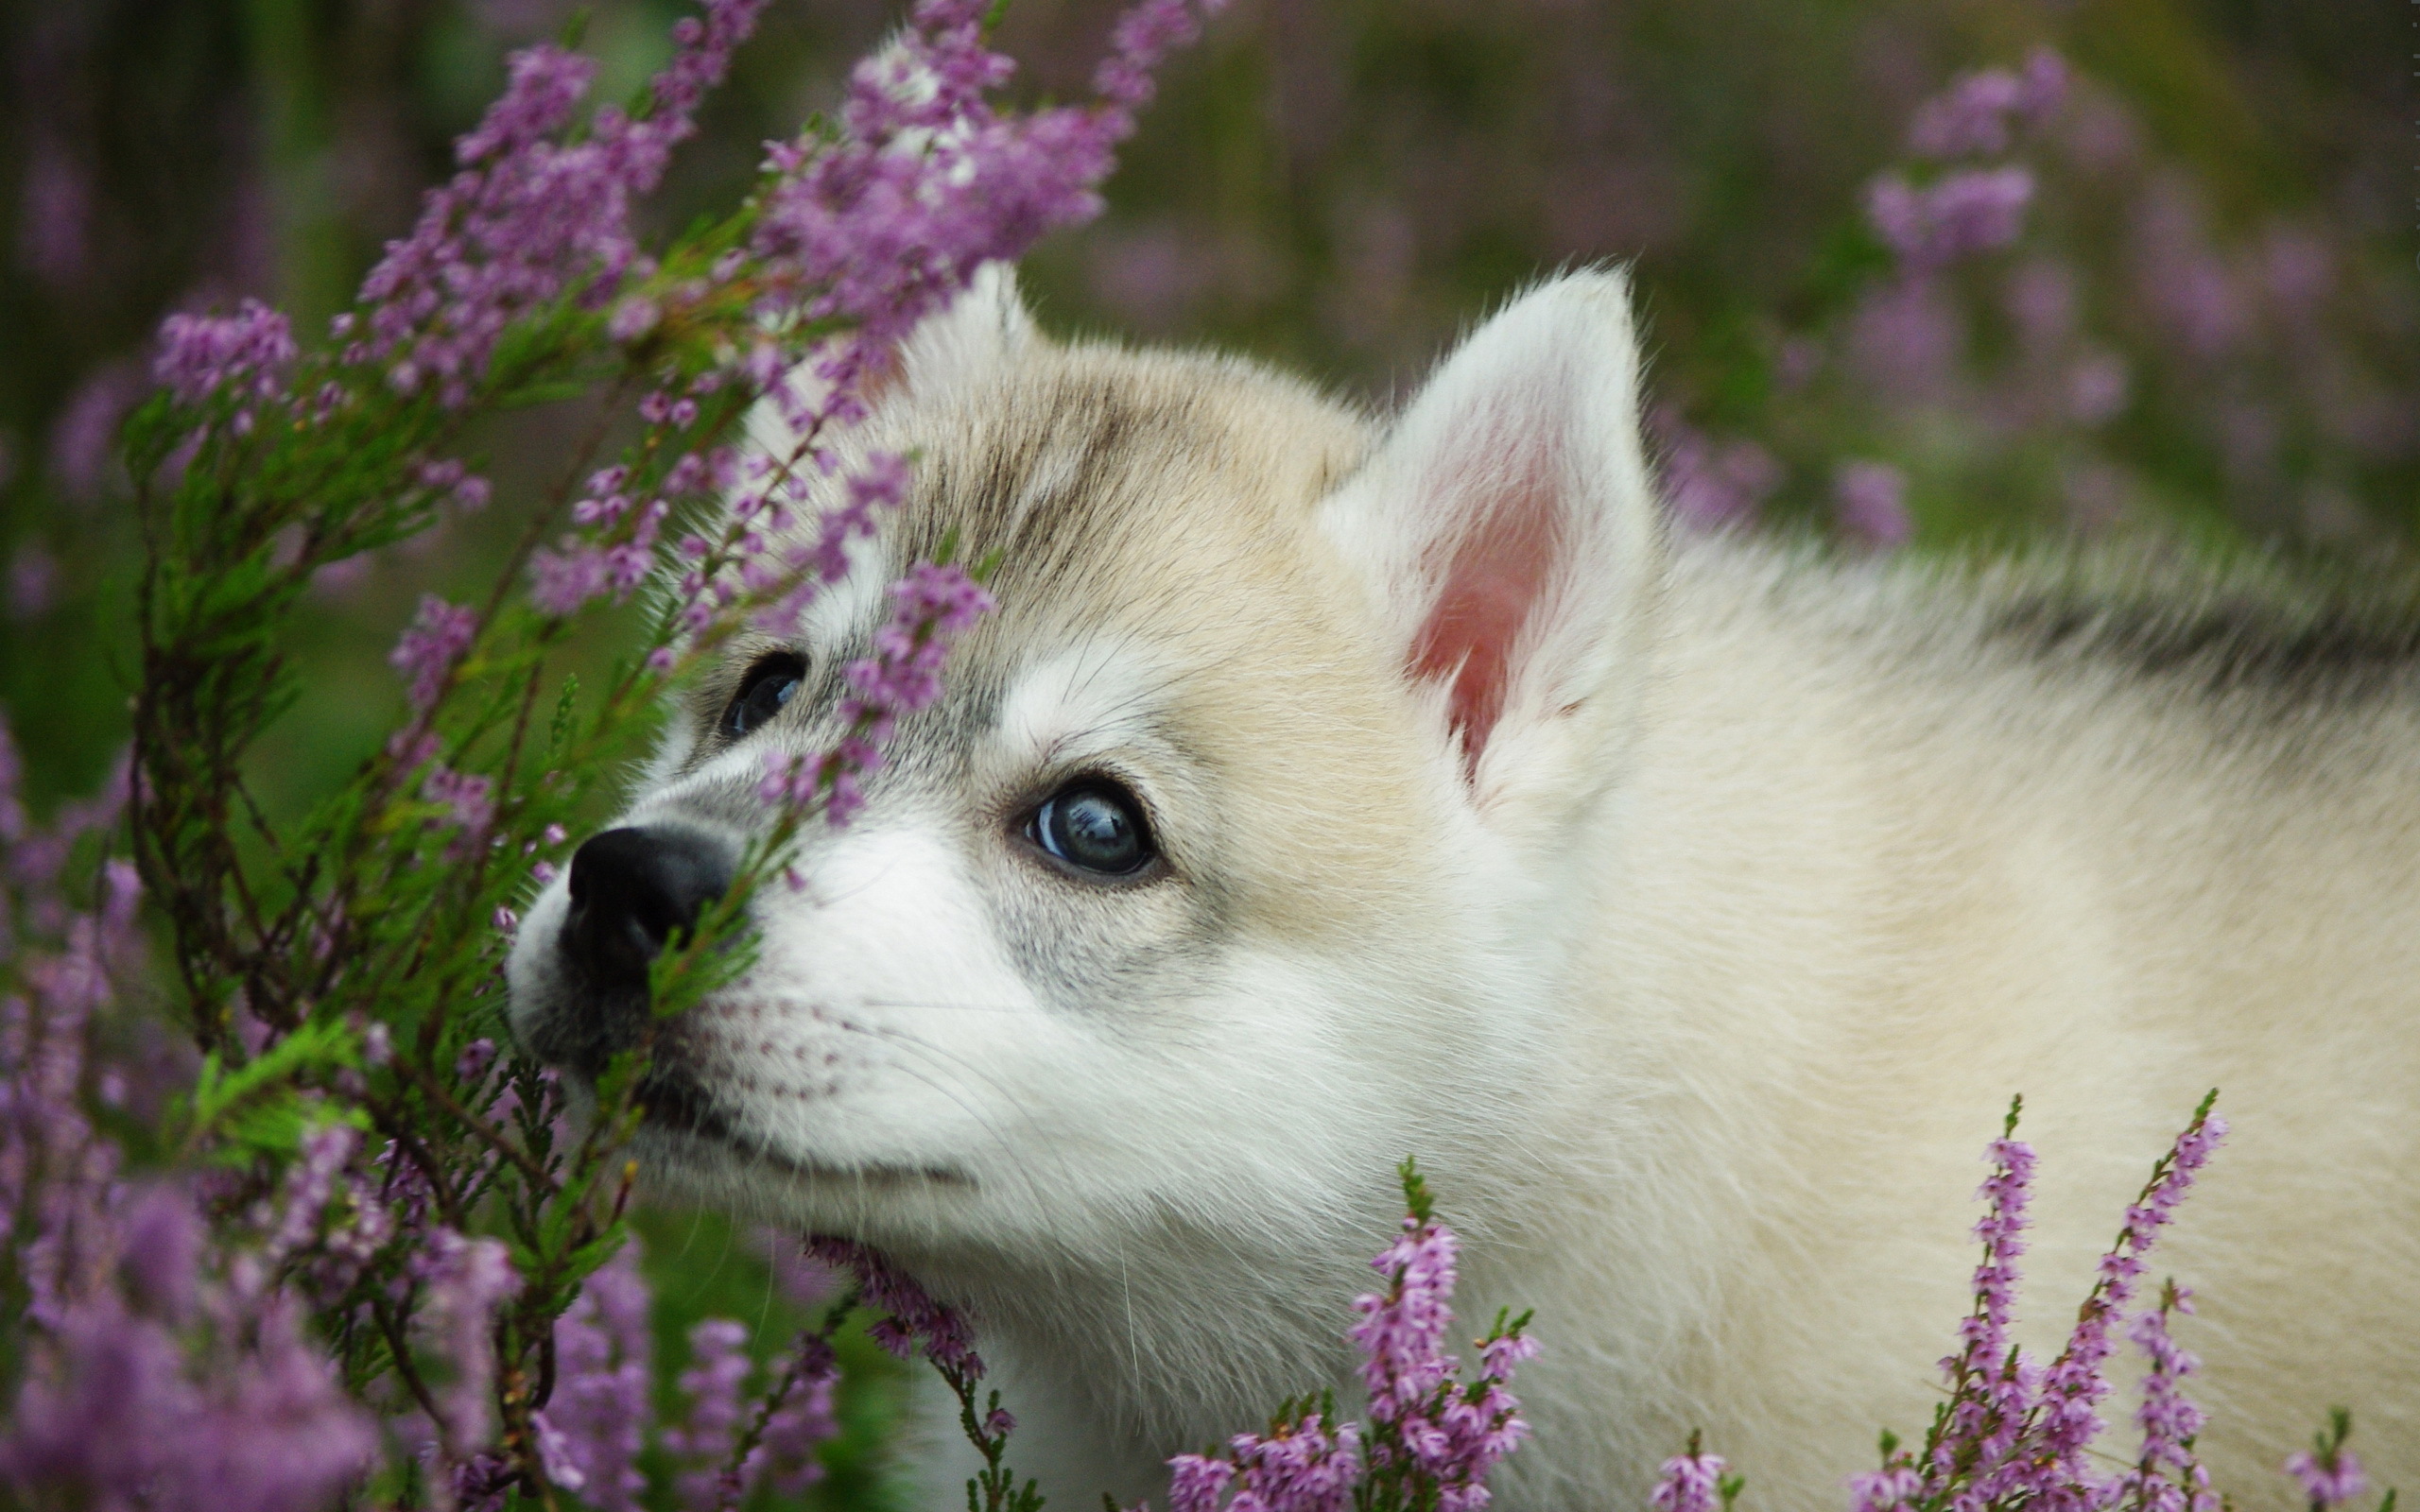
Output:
x=374 y=1254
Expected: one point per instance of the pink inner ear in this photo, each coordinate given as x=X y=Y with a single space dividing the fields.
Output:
x=1496 y=575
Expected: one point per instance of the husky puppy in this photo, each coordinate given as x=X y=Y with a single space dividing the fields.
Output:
x=1330 y=788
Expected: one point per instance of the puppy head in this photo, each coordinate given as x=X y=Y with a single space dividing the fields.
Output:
x=1198 y=899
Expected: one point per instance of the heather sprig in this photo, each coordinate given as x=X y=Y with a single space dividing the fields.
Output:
x=2017 y=1432
x=1695 y=1481
x=2330 y=1474
x=913 y=1321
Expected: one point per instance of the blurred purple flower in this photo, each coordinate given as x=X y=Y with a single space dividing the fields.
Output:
x=1872 y=502
x=801 y=1278
x=33 y=581
x=562 y=581
x=202 y=354
x=1977 y=114
x=462 y=1282
x=2041 y=299
x=112 y=1412
x=435 y=640
x=2099 y=387
x=54 y=213
x=83 y=439
x=1970 y=211
x=2329 y=1473
x=2204 y=303
x=469 y=799
x=1713 y=486
x=1906 y=338
x=706 y=1435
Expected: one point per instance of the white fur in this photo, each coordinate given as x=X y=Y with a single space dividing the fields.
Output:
x=1698 y=992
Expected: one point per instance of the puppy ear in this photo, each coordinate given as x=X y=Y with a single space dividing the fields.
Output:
x=985 y=327
x=1508 y=533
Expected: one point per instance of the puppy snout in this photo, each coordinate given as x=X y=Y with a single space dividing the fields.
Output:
x=631 y=892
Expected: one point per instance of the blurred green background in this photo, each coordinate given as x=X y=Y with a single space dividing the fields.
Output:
x=2211 y=327
x=2210 y=332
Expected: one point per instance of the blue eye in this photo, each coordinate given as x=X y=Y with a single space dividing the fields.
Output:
x=1094 y=826
x=770 y=684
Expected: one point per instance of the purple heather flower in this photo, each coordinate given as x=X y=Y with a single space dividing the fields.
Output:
x=462 y=1282
x=426 y=652
x=1713 y=485
x=1872 y=501
x=1425 y=1423
x=2205 y=300
x=2073 y=1385
x=1688 y=1483
x=719 y=1367
x=1197 y=1483
x=242 y=353
x=310 y=1185
x=1977 y=113
x=111 y=1411
x=33 y=582
x=934 y=605
x=1300 y=1466
x=1971 y=211
x=469 y=798
x=2167 y=1477
x=83 y=439
x=801 y=1419
x=1894 y=1486
x=2330 y=1474
x=562 y=582
x=914 y=1318
x=529 y=217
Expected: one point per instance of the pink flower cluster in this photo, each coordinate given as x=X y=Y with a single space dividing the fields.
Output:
x=1432 y=1439
x=242 y=354
x=2329 y=1474
x=911 y=1319
x=1305 y=1464
x=1691 y=1482
x=1968 y=209
x=1980 y=114
x=2167 y=1477
x=528 y=217
x=872 y=228
x=426 y=654
x=1973 y=209
x=2017 y=1431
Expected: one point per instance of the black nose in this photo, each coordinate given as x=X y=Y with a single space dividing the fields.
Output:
x=632 y=890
